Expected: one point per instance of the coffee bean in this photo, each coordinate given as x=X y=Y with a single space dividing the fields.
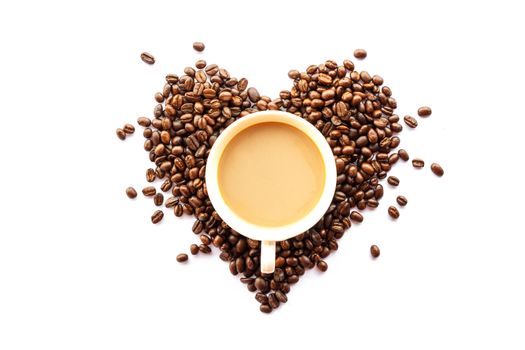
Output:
x=171 y=202
x=147 y=58
x=198 y=46
x=374 y=251
x=356 y=216
x=143 y=121
x=265 y=308
x=401 y=200
x=150 y=175
x=131 y=193
x=121 y=134
x=253 y=94
x=194 y=249
x=182 y=258
x=157 y=216
x=204 y=249
x=322 y=265
x=273 y=301
x=424 y=111
x=158 y=199
x=360 y=54
x=281 y=296
x=403 y=154
x=393 y=212
x=260 y=284
x=261 y=298
x=410 y=121
x=392 y=180
x=418 y=163
x=149 y=191
x=437 y=169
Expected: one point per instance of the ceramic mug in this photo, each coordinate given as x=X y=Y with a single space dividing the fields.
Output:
x=270 y=235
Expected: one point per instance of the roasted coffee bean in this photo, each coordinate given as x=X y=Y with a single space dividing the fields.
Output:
x=281 y=296
x=265 y=308
x=410 y=121
x=393 y=212
x=418 y=163
x=401 y=200
x=437 y=169
x=356 y=216
x=150 y=175
x=129 y=129
x=143 y=121
x=260 y=284
x=204 y=249
x=194 y=249
x=157 y=216
x=147 y=58
x=403 y=154
x=273 y=301
x=171 y=202
x=261 y=298
x=182 y=258
x=158 y=199
x=198 y=46
x=131 y=193
x=360 y=54
x=392 y=180
x=374 y=251
x=424 y=111
x=253 y=94
x=121 y=134
x=149 y=191
x=322 y=265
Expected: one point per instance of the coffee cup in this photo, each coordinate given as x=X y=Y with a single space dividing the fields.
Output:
x=270 y=176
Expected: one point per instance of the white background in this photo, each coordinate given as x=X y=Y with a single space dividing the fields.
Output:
x=82 y=267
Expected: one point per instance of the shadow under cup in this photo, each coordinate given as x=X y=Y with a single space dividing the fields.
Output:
x=270 y=176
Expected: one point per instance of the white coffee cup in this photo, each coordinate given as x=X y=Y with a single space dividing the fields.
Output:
x=270 y=235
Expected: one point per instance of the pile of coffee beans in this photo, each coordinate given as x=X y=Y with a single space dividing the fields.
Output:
x=353 y=110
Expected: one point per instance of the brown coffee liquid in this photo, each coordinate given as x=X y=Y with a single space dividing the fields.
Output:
x=271 y=174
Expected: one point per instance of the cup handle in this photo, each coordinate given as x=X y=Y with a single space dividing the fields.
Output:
x=267 y=256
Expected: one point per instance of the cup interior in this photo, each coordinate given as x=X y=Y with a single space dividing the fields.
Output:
x=273 y=233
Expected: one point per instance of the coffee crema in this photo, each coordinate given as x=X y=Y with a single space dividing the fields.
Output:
x=271 y=174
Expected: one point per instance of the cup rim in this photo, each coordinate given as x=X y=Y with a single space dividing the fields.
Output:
x=265 y=233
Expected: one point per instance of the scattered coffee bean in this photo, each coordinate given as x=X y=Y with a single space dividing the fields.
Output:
x=322 y=265
x=410 y=121
x=401 y=200
x=182 y=258
x=437 y=169
x=356 y=216
x=393 y=212
x=129 y=129
x=131 y=193
x=424 y=111
x=194 y=249
x=149 y=191
x=150 y=175
x=147 y=58
x=204 y=249
x=392 y=180
x=418 y=163
x=143 y=121
x=121 y=134
x=374 y=251
x=157 y=216
x=403 y=154
x=198 y=46
x=360 y=54
x=158 y=199
x=265 y=308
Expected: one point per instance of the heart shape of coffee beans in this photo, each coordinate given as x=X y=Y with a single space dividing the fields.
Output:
x=351 y=109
